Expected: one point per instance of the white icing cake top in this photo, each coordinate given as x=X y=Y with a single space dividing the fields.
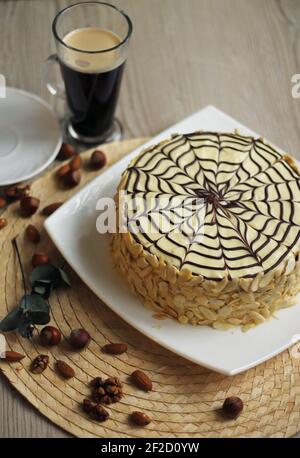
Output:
x=231 y=204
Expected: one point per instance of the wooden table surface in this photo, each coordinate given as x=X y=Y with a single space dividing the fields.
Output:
x=239 y=55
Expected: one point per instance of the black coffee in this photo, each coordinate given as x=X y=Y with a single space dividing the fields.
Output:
x=92 y=81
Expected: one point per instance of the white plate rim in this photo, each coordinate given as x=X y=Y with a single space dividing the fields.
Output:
x=57 y=146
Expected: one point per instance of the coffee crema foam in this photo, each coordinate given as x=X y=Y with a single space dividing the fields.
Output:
x=92 y=39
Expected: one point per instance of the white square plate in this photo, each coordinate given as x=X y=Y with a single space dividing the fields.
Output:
x=73 y=229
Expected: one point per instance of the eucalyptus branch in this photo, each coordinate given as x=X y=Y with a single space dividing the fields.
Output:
x=15 y=245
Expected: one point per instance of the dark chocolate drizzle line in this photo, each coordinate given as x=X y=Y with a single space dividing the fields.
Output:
x=233 y=218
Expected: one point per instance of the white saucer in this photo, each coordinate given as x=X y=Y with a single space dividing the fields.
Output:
x=30 y=136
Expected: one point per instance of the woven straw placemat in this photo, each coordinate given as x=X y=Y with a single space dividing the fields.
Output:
x=186 y=397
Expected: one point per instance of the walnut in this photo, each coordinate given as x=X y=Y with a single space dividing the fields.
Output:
x=106 y=391
x=39 y=364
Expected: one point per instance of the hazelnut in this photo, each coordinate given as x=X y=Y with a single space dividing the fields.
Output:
x=232 y=407
x=66 y=152
x=72 y=178
x=50 y=336
x=39 y=259
x=3 y=223
x=79 y=338
x=32 y=233
x=63 y=170
x=98 y=160
x=75 y=163
x=3 y=202
x=29 y=205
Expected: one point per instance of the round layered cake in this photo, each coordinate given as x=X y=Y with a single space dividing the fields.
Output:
x=212 y=229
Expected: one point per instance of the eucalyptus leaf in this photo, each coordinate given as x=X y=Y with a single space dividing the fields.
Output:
x=10 y=322
x=54 y=276
x=36 y=308
x=46 y=272
x=23 y=304
x=40 y=317
x=64 y=277
x=43 y=282
x=33 y=308
x=43 y=288
x=25 y=325
x=33 y=303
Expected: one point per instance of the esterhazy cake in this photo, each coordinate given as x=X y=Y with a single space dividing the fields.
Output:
x=231 y=206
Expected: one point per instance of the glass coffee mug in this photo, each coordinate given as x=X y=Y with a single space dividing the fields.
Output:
x=92 y=41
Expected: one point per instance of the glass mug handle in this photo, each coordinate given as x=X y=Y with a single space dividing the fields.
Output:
x=54 y=84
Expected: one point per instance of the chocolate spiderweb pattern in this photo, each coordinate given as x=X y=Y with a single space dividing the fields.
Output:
x=232 y=204
x=186 y=398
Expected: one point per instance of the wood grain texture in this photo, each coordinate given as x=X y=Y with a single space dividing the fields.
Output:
x=239 y=55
